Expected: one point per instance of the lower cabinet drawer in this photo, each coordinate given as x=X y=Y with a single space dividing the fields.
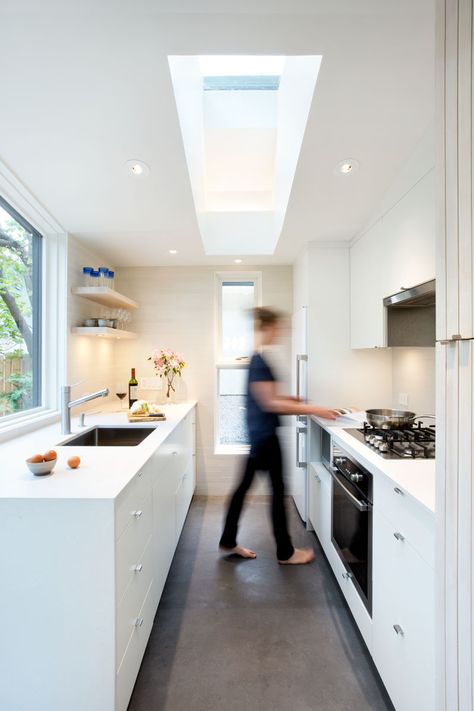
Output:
x=403 y=620
x=129 y=547
x=128 y=669
x=129 y=501
x=128 y=617
x=407 y=516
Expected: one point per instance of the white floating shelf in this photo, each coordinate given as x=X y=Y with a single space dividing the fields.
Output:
x=103 y=332
x=105 y=296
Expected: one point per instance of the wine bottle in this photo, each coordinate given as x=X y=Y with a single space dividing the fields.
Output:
x=132 y=389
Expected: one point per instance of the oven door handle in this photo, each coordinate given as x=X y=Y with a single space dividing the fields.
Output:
x=360 y=505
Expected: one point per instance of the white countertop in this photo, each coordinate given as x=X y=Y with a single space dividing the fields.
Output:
x=417 y=477
x=104 y=471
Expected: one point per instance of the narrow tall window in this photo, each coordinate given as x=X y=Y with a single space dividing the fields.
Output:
x=20 y=313
x=237 y=295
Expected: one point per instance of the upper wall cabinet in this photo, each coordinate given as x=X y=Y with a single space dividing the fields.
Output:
x=398 y=252
x=367 y=287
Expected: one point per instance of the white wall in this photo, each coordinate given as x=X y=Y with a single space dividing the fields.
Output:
x=413 y=373
x=177 y=310
x=90 y=360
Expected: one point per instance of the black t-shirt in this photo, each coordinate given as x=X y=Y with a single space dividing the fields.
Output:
x=260 y=424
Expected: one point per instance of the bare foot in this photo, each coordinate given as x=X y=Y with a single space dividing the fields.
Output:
x=239 y=550
x=301 y=556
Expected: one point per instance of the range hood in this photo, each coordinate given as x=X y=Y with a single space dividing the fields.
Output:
x=423 y=295
x=411 y=316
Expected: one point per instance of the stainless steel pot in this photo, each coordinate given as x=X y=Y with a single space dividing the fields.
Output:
x=387 y=419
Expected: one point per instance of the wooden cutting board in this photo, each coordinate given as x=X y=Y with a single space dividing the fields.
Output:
x=146 y=418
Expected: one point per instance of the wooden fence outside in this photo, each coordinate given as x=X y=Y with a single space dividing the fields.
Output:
x=8 y=367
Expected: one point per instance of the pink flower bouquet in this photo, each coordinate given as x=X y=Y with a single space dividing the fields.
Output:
x=168 y=364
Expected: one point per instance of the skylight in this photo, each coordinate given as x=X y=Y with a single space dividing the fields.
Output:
x=241 y=83
x=242 y=120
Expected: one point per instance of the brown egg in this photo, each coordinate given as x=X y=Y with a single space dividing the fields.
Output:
x=73 y=462
x=36 y=459
x=49 y=455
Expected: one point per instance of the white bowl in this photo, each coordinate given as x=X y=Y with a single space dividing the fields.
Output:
x=41 y=468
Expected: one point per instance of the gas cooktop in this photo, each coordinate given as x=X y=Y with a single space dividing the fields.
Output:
x=413 y=442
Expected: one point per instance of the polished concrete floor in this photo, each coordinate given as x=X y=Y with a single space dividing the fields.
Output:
x=234 y=635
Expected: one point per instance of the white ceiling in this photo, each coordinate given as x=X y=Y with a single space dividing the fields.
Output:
x=85 y=86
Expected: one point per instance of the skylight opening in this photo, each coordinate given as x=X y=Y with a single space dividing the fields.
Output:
x=241 y=83
x=242 y=120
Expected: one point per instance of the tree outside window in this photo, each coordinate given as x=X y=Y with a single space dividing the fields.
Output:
x=20 y=303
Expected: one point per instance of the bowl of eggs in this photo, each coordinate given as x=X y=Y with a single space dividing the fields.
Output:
x=41 y=464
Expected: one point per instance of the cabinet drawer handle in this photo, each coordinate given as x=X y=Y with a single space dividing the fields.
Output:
x=398 y=630
x=139 y=622
x=138 y=568
x=399 y=536
x=317 y=477
x=137 y=514
x=174 y=453
x=398 y=491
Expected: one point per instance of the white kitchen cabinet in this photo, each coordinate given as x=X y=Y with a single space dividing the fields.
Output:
x=408 y=236
x=455 y=356
x=367 y=286
x=127 y=671
x=403 y=618
x=400 y=634
x=169 y=495
x=86 y=575
x=408 y=516
x=397 y=252
x=172 y=495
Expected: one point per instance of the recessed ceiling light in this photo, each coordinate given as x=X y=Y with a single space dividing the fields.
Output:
x=347 y=166
x=237 y=261
x=173 y=251
x=137 y=168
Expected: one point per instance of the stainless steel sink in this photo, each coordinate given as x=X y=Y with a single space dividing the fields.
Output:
x=109 y=437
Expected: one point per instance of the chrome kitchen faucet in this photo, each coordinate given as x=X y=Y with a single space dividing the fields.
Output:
x=67 y=404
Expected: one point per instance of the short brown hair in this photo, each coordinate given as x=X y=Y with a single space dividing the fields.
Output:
x=263 y=317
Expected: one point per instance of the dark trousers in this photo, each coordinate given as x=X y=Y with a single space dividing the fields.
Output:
x=264 y=456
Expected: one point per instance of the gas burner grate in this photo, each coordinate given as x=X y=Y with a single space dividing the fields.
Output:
x=411 y=442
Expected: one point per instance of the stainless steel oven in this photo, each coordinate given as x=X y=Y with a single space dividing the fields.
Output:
x=351 y=524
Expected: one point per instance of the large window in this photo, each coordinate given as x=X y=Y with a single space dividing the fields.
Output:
x=20 y=313
x=237 y=295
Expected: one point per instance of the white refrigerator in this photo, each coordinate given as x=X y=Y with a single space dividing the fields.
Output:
x=299 y=483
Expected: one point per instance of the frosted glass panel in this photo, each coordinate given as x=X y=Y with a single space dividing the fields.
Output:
x=232 y=406
x=238 y=300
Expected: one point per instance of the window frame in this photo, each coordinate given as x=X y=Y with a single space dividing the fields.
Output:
x=36 y=307
x=229 y=363
x=52 y=331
